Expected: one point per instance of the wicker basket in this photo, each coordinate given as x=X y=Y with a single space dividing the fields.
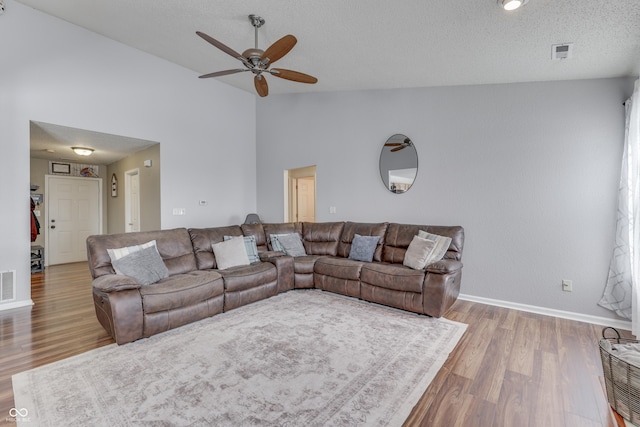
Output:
x=622 y=379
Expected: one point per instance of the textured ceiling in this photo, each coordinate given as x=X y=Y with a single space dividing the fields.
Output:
x=375 y=44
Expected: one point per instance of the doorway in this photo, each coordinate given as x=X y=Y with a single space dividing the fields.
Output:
x=132 y=200
x=74 y=212
x=300 y=194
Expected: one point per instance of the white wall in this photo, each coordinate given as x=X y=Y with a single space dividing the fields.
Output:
x=530 y=170
x=55 y=72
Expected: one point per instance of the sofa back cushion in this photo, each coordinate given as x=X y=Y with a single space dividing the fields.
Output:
x=321 y=238
x=364 y=229
x=399 y=236
x=174 y=246
x=257 y=231
x=203 y=239
x=282 y=228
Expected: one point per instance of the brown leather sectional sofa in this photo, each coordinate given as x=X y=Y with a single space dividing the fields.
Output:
x=196 y=289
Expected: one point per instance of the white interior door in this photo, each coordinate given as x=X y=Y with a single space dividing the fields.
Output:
x=74 y=212
x=132 y=200
x=306 y=199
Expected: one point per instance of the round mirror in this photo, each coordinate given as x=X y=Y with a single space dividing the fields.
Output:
x=398 y=163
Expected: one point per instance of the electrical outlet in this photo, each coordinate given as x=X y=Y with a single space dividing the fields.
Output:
x=567 y=285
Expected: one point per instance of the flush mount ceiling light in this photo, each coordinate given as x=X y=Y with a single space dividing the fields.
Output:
x=82 y=151
x=512 y=4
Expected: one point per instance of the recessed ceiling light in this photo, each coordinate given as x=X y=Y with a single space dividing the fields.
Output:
x=512 y=4
x=82 y=151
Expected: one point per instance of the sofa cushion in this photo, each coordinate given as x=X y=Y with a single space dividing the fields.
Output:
x=399 y=236
x=441 y=245
x=203 y=239
x=321 y=238
x=230 y=253
x=144 y=265
x=392 y=276
x=418 y=253
x=257 y=231
x=340 y=268
x=249 y=276
x=174 y=247
x=304 y=264
x=181 y=290
x=283 y=228
x=117 y=253
x=363 y=247
x=364 y=229
x=250 y=246
x=291 y=244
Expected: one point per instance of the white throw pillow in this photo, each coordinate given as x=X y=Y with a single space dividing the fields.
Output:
x=230 y=253
x=418 y=253
x=441 y=245
x=250 y=246
x=117 y=253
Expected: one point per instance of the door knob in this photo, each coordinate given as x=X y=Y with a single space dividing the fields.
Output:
x=53 y=226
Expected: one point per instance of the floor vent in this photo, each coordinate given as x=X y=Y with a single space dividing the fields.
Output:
x=7 y=285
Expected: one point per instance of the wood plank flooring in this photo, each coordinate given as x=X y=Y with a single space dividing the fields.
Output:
x=511 y=368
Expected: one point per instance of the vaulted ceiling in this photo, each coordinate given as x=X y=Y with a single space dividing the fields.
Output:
x=375 y=44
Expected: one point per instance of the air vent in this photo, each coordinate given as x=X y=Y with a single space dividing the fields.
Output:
x=7 y=285
x=561 y=51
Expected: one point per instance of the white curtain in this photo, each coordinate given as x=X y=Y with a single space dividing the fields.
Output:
x=621 y=293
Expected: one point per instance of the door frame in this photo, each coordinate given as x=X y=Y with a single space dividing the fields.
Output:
x=290 y=192
x=46 y=208
x=127 y=198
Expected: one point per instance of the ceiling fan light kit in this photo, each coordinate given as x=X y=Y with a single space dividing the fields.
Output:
x=512 y=4
x=258 y=61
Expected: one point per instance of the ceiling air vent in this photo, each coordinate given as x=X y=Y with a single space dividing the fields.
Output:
x=561 y=51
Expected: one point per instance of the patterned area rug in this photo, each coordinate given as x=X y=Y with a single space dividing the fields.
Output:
x=302 y=358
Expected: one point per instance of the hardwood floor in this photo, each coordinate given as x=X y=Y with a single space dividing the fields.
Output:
x=511 y=368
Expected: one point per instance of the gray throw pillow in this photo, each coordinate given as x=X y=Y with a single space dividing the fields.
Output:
x=251 y=247
x=144 y=265
x=363 y=247
x=275 y=243
x=292 y=244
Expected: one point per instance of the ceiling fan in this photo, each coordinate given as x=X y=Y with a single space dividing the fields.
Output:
x=399 y=145
x=258 y=61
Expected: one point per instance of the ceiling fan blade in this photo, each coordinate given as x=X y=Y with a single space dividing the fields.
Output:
x=261 y=85
x=223 y=47
x=393 y=150
x=278 y=49
x=220 y=73
x=293 y=75
x=393 y=144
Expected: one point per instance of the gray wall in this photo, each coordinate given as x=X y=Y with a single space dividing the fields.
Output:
x=149 y=178
x=530 y=170
x=59 y=73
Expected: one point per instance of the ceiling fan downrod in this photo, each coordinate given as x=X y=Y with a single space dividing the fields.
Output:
x=257 y=22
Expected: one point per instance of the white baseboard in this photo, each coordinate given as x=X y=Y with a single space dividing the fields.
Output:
x=596 y=320
x=17 y=304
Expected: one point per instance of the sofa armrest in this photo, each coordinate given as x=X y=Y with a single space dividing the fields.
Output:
x=444 y=266
x=114 y=283
x=268 y=255
x=285 y=266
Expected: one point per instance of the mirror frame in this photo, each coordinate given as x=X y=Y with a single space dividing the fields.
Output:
x=406 y=163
